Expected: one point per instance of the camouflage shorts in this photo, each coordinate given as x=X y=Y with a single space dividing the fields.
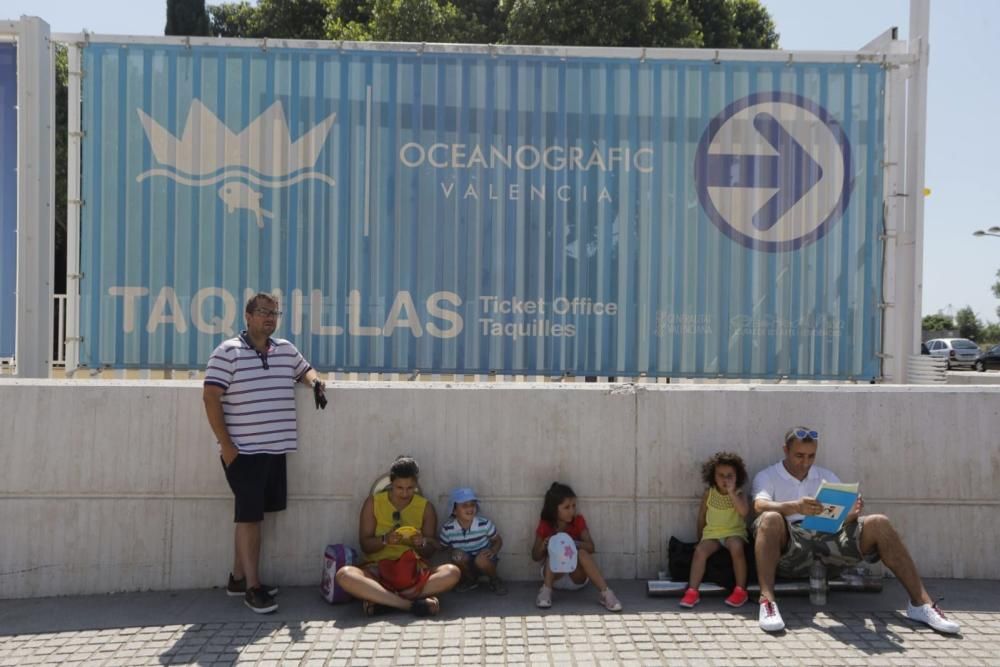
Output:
x=836 y=550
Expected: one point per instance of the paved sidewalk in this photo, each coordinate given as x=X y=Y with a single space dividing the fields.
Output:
x=208 y=628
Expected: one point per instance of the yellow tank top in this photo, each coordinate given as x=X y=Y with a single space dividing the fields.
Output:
x=412 y=515
x=722 y=520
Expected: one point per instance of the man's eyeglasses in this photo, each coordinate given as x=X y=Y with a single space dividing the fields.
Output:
x=396 y=519
x=800 y=433
x=266 y=312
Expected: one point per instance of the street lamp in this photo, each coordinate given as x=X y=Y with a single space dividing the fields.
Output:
x=992 y=231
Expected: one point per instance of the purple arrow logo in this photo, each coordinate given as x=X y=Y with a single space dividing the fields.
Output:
x=792 y=171
x=789 y=177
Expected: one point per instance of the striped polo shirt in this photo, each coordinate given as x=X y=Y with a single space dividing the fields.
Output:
x=471 y=541
x=259 y=403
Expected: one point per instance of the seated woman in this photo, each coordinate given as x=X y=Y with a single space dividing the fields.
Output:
x=396 y=531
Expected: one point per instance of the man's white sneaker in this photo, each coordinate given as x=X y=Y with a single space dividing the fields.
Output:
x=769 y=617
x=932 y=616
x=544 y=599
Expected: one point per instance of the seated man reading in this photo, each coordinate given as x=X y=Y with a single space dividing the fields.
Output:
x=783 y=494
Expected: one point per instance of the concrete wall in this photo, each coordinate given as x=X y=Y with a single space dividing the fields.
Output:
x=116 y=486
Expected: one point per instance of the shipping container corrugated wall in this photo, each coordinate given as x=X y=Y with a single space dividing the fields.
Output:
x=8 y=198
x=469 y=212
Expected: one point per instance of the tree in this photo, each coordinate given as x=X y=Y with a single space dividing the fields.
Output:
x=487 y=19
x=653 y=23
x=578 y=22
x=754 y=26
x=234 y=19
x=279 y=19
x=990 y=333
x=61 y=147
x=969 y=325
x=417 y=21
x=996 y=290
x=187 y=17
x=937 y=322
x=672 y=26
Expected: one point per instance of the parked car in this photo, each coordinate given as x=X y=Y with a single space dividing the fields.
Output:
x=957 y=351
x=988 y=359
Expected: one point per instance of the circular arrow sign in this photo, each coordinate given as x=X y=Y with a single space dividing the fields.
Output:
x=773 y=171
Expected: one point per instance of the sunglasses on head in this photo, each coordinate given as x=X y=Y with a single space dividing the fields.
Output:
x=801 y=434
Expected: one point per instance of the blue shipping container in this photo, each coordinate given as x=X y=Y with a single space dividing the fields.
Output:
x=474 y=212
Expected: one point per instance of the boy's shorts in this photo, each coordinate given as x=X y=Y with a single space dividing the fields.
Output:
x=839 y=550
x=259 y=484
x=473 y=568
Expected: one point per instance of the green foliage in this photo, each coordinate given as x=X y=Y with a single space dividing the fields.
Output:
x=187 y=17
x=578 y=22
x=969 y=325
x=487 y=19
x=717 y=19
x=672 y=25
x=937 y=322
x=235 y=19
x=278 y=19
x=990 y=334
x=996 y=290
x=61 y=139
x=653 y=23
x=754 y=27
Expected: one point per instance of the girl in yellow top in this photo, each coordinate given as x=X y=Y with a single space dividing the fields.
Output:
x=721 y=523
x=392 y=523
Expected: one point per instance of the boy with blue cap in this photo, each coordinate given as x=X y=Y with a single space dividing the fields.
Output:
x=473 y=540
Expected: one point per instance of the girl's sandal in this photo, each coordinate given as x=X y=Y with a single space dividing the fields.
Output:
x=425 y=607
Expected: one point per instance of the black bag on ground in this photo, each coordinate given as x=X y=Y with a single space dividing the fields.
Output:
x=718 y=569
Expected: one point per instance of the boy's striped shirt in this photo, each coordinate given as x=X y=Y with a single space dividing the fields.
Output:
x=471 y=541
x=259 y=398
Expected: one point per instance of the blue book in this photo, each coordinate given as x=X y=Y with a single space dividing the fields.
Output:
x=837 y=499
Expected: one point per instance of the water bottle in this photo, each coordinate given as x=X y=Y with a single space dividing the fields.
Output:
x=817 y=583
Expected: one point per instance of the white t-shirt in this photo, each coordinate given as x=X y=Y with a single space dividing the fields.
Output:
x=776 y=484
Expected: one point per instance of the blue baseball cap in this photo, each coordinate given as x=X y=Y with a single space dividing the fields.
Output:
x=462 y=494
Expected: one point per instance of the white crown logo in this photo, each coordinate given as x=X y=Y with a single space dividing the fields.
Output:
x=265 y=146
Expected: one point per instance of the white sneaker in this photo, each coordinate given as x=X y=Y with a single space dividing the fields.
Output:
x=544 y=599
x=610 y=600
x=932 y=616
x=769 y=617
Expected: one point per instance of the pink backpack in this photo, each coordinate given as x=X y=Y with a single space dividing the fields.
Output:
x=336 y=557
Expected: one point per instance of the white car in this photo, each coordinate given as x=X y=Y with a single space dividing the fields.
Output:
x=957 y=351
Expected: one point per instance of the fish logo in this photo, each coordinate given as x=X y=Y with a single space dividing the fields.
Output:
x=262 y=155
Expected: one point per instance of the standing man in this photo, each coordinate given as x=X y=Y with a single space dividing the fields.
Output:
x=249 y=398
x=783 y=494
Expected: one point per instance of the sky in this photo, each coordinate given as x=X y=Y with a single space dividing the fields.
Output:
x=961 y=171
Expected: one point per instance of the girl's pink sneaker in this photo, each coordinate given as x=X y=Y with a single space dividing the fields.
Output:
x=691 y=598
x=738 y=597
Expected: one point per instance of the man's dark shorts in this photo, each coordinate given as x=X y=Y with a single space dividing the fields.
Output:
x=839 y=550
x=259 y=483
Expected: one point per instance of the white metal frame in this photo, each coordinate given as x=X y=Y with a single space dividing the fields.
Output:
x=872 y=55
x=35 y=194
x=73 y=206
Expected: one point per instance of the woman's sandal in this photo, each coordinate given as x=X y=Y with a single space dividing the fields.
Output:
x=424 y=607
x=374 y=609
